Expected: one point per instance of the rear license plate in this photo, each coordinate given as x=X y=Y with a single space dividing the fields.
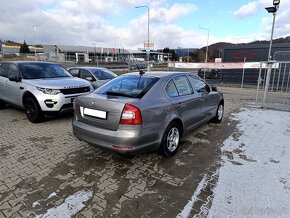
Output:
x=95 y=113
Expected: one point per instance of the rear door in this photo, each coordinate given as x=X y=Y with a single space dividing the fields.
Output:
x=185 y=100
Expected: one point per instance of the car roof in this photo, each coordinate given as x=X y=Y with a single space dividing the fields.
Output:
x=88 y=68
x=17 y=62
x=158 y=74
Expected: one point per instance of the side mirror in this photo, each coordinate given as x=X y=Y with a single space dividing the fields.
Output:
x=15 y=78
x=90 y=79
x=213 y=88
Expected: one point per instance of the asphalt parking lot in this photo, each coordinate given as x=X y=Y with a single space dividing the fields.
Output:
x=46 y=172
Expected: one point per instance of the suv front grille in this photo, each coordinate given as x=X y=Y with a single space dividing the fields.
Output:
x=75 y=90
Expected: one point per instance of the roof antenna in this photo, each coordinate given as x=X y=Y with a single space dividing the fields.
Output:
x=141 y=72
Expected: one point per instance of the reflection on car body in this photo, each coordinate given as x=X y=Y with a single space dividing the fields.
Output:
x=139 y=112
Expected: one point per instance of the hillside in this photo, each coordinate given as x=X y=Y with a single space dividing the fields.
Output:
x=222 y=45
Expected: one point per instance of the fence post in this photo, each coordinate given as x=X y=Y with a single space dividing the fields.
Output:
x=267 y=81
x=259 y=80
x=243 y=73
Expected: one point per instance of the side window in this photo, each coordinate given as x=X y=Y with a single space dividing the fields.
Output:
x=4 y=69
x=182 y=85
x=171 y=90
x=199 y=85
x=12 y=71
x=85 y=74
x=74 y=72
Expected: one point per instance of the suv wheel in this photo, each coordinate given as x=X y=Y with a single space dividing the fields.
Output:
x=170 y=140
x=33 y=111
x=2 y=104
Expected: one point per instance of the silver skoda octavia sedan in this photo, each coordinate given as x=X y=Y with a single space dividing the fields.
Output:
x=137 y=112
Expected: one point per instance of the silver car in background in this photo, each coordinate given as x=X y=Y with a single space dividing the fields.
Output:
x=39 y=87
x=97 y=76
x=146 y=111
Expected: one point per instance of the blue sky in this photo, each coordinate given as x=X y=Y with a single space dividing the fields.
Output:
x=213 y=14
x=172 y=23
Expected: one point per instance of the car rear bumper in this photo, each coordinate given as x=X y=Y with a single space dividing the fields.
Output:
x=127 y=139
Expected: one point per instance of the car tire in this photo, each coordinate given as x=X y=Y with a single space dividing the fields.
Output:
x=2 y=104
x=170 y=140
x=219 y=114
x=32 y=110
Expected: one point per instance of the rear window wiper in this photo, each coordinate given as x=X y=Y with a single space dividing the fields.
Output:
x=119 y=94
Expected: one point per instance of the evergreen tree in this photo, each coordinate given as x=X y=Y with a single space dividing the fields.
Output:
x=24 y=48
x=172 y=52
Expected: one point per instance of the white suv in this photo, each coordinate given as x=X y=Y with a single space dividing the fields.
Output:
x=39 y=87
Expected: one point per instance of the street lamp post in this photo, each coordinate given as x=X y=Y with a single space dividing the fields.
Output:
x=147 y=53
x=33 y=27
x=206 y=54
x=115 y=56
x=273 y=10
x=94 y=52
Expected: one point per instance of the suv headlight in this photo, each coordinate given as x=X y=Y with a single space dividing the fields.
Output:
x=49 y=91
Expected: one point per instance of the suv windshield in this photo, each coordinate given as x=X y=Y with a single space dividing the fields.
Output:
x=42 y=70
x=102 y=74
x=133 y=86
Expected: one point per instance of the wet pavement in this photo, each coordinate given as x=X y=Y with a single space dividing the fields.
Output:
x=46 y=172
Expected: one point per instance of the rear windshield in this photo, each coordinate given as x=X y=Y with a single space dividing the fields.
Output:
x=104 y=74
x=132 y=86
x=42 y=70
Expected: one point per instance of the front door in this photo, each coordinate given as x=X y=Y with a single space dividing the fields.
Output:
x=209 y=101
x=3 y=80
x=14 y=90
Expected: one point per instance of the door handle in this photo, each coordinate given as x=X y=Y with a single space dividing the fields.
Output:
x=180 y=104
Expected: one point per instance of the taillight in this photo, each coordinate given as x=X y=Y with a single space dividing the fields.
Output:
x=131 y=115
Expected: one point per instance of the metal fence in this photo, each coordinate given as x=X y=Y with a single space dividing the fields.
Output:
x=277 y=93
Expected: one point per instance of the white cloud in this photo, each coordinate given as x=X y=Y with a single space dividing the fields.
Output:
x=83 y=22
x=282 y=26
x=248 y=9
x=174 y=12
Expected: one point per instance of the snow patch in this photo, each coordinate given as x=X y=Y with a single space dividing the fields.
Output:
x=255 y=158
x=51 y=195
x=70 y=207
x=188 y=207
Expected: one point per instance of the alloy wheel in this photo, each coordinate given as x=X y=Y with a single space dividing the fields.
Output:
x=220 y=112
x=173 y=139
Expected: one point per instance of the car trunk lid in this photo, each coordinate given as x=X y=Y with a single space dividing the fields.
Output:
x=102 y=111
